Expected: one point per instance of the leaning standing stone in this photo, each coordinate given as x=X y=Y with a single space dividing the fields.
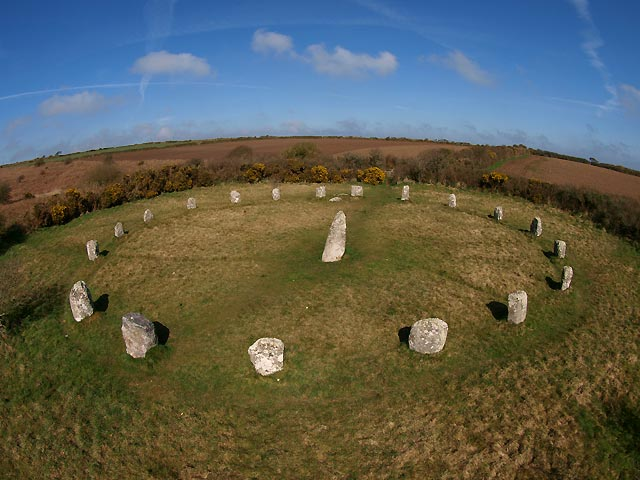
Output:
x=139 y=334
x=234 y=196
x=191 y=203
x=497 y=214
x=321 y=191
x=357 y=191
x=536 y=227
x=148 y=216
x=92 y=250
x=118 y=230
x=405 y=193
x=80 y=301
x=559 y=248
x=275 y=194
x=428 y=335
x=453 y=203
x=567 y=276
x=336 y=240
x=267 y=355
x=517 y=306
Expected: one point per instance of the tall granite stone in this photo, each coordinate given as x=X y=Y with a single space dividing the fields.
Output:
x=560 y=248
x=234 y=196
x=275 y=194
x=336 y=240
x=267 y=355
x=92 y=250
x=357 y=191
x=567 y=276
x=517 y=307
x=148 y=216
x=536 y=227
x=80 y=301
x=118 y=230
x=405 y=193
x=139 y=334
x=321 y=191
x=453 y=203
x=191 y=203
x=428 y=335
x=498 y=214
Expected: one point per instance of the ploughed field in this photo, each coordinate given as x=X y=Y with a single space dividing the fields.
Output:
x=556 y=396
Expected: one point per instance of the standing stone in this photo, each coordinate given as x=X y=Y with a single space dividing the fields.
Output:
x=559 y=248
x=267 y=355
x=92 y=250
x=405 y=193
x=148 y=216
x=139 y=334
x=517 y=306
x=453 y=203
x=536 y=227
x=498 y=214
x=234 y=196
x=275 y=194
x=357 y=191
x=191 y=203
x=80 y=301
x=336 y=240
x=428 y=335
x=321 y=191
x=567 y=276
x=118 y=230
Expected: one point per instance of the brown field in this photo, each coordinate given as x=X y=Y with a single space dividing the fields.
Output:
x=565 y=172
x=55 y=176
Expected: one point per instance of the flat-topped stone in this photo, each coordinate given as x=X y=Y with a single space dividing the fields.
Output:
x=357 y=191
x=191 y=203
x=517 y=307
x=267 y=355
x=80 y=301
x=335 y=199
x=321 y=191
x=138 y=333
x=336 y=240
x=428 y=335
x=405 y=193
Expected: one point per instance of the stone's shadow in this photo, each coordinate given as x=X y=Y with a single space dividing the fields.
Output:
x=13 y=235
x=548 y=254
x=403 y=335
x=102 y=303
x=525 y=230
x=499 y=310
x=162 y=332
x=553 y=285
x=104 y=253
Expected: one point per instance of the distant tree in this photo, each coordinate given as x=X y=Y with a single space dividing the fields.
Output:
x=593 y=161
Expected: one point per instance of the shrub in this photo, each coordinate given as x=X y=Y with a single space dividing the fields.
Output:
x=104 y=173
x=255 y=173
x=493 y=180
x=371 y=175
x=302 y=150
x=29 y=195
x=113 y=195
x=38 y=162
x=20 y=178
x=59 y=214
x=319 y=174
x=5 y=192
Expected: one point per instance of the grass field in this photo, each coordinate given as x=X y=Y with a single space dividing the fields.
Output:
x=555 y=397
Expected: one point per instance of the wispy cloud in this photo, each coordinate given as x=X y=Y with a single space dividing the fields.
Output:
x=271 y=42
x=80 y=103
x=165 y=63
x=463 y=66
x=341 y=62
x=630 y=98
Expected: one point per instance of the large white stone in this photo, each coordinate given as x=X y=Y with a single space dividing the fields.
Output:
x=559 y=248
x=405 y=193
x=453 y=203
x=336 y=240
x=498 y=214
x=267 y=355
x=428 y=335
x=191 y=203
x=148 y=216
x=357 y=191
x=567 y=276
x=234 y=196
x=517 y=306
x=118 y=230
x=92 y=250
x=536 y=227
x=80 y=301
x=321 y=191
x=275 y=194
x=139 y=334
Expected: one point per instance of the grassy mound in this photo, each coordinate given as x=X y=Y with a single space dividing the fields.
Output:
x=555 y=396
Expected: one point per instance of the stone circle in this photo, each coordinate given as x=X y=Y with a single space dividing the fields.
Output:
x=267 y=355
x=428 y=335
x=138 y=333
x=80 y=301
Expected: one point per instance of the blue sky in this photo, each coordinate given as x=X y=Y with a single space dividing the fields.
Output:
x=561 y=75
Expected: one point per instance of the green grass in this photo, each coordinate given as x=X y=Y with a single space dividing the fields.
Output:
x=553 y=397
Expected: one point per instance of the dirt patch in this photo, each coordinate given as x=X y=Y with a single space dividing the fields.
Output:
x=565 y=172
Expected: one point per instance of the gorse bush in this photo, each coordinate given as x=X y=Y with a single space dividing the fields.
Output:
x=371 y=175
x=319 y=174
x=493 y=180
x=255 y=172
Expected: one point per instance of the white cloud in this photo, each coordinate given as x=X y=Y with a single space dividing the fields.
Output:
x=630 y=98
x=165 y=63
x=463 y=66
x=271 y=42
x=582 y=6
x=79 y=103
x=343 y=62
